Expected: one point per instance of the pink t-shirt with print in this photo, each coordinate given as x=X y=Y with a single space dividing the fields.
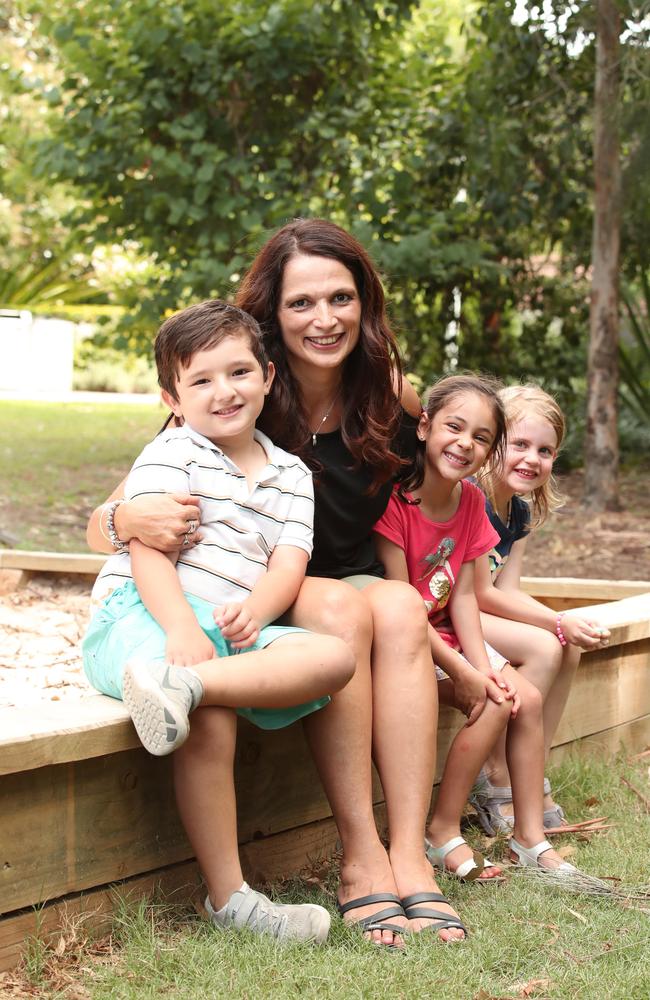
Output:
x=436 y=550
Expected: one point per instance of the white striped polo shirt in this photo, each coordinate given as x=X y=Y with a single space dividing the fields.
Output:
x=240 y=527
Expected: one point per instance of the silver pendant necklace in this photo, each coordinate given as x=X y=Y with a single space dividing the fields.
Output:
x=329 y=410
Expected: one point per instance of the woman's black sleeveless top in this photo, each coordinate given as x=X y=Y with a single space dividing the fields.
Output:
x=345 y=511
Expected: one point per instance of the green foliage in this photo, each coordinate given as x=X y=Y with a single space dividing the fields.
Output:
x=197 y=126
x=454 y=140
x=107 y=369
x=56 y=287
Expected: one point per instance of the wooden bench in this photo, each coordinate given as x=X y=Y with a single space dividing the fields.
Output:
x=83 y=806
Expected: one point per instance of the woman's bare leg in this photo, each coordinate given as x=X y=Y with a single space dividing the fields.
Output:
x=339 y=737
x=405 y=724
x=467 y=753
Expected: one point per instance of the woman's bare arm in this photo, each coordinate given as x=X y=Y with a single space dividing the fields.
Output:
x=158 y=520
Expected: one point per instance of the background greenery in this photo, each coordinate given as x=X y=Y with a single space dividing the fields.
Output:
x=149 y=148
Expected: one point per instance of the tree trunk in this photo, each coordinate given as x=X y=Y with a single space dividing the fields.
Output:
x=601 y=453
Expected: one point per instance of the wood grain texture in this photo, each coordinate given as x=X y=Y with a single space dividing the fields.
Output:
x=52 y=562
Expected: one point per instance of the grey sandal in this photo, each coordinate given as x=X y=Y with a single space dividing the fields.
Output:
x=376 y=921
x=487 y=800
x=414 y=911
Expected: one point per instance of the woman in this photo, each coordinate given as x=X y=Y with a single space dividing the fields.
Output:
x=339 y=402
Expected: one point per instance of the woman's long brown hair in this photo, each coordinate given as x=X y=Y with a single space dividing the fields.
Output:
x=373 y=372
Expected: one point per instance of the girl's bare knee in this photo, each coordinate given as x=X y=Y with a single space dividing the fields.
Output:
x=532 y=701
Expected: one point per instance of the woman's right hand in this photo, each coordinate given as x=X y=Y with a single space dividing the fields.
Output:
x=161 y=521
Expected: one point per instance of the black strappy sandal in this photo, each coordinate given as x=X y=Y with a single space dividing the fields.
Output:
x=376 y=921
x=413 y=911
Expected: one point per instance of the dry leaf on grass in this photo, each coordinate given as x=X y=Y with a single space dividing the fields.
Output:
x=532 y=987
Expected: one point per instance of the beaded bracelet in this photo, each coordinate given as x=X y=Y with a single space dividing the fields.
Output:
x=111 y=534
x=558 y=629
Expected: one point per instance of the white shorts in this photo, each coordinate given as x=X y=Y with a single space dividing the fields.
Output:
x=497 y=662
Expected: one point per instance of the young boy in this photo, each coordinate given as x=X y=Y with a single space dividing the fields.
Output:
x=167 y=631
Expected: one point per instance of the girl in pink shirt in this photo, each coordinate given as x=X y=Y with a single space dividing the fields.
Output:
x=434 y=529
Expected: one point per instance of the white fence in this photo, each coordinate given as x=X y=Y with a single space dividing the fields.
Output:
x=36 y=354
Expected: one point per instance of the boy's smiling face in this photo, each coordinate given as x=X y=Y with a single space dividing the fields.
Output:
x=221 y=392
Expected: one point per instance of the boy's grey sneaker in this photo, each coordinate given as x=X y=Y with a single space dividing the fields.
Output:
x=250 y=910
x=160 y=698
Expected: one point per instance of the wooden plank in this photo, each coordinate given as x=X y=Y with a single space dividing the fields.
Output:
x=62 y=731
x=631 y=736
x=610 y=689
x=92 y=911
x=568 y=588
x=265 y=860
x=92 y=808
x=87 y=563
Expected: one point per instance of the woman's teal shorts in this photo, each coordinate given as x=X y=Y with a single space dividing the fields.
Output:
x=122 y=629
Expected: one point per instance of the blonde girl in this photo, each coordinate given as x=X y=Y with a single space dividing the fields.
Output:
x=433 y=531
x=545 y=646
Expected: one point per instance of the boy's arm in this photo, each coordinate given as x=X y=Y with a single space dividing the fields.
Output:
x=272 y=595
x=505 y=599
x=159 y=587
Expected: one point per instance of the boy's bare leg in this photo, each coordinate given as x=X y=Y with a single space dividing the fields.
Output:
x=405 y=724
x=205 y=795
x=292 y=670
x=339 y=737
x=466 y=755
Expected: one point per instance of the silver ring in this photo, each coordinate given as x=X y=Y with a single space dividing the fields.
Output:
x=191 y=527
x=186 y=539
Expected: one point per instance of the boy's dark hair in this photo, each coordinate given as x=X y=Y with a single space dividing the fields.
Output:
x=198 y=328
x=441 y=393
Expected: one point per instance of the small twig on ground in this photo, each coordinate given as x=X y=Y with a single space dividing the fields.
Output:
x=587 y=826
x=643 y=799
x=639 y=756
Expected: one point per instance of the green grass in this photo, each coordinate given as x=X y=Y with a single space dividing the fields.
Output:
x=575 y=947
x=58 y=461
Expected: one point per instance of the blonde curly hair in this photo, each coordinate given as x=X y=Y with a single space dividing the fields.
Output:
x=519 y=402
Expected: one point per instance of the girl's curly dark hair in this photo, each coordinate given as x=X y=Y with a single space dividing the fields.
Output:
x=441 y=393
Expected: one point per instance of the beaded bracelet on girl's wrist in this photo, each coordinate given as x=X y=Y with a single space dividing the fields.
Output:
x=111 y=534
x=558 y=629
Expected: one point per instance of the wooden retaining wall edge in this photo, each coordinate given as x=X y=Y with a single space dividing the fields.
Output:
x=76 y=771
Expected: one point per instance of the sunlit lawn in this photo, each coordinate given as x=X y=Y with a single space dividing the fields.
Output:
x=58 y=460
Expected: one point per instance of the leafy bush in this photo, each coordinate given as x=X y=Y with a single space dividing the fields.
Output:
x=104 y=369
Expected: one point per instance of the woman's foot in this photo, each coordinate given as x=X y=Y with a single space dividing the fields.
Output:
x=369 y=876
x=414 y=875
x=448 y=851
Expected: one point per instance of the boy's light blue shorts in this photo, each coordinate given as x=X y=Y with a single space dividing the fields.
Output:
x=122 y=629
